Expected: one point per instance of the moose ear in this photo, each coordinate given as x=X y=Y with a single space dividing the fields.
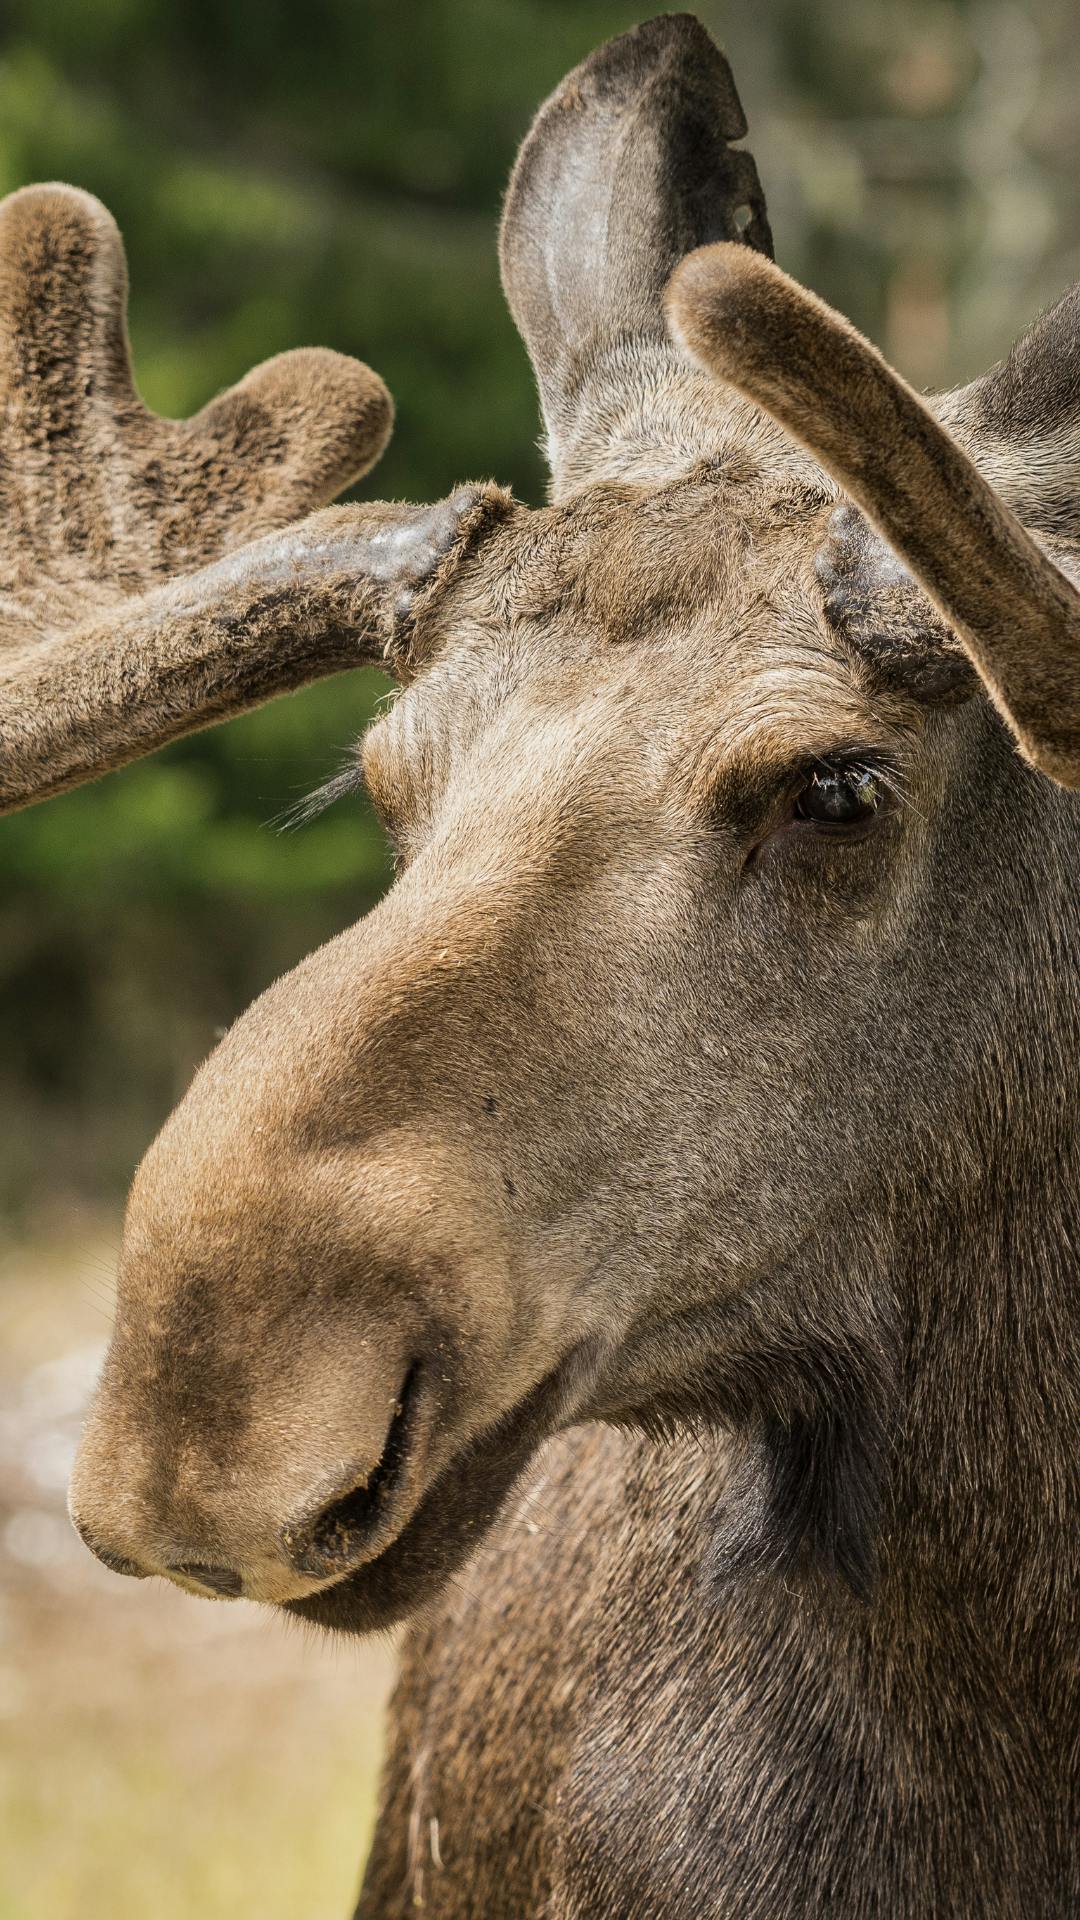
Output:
x=1021 y=422
x=627 y=167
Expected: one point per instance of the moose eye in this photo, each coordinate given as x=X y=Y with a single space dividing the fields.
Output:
x=841 y=798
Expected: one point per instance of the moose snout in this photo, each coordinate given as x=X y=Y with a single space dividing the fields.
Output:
x=295 y=1361
x=319 y=1305
x=259 y=1521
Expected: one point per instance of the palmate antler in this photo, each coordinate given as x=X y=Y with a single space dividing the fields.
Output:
x=144 y=591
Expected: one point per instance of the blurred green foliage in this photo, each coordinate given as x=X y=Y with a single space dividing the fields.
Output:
x=331 y=173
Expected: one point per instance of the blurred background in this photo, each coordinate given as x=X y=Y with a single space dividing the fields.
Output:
x=331 y=174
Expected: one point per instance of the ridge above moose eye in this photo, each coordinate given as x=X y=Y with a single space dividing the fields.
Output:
x=842 y=797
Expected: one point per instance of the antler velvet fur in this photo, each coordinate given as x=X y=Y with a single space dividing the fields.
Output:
x=144 y=591
x=1016 y=613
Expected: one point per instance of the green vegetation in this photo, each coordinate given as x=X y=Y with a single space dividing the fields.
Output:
x=331 y=173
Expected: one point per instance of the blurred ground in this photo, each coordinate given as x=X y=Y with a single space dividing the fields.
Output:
x=160 y=1756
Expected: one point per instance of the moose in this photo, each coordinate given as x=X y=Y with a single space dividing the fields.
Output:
x=643 y=1254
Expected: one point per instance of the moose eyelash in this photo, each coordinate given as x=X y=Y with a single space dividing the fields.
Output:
x=874 y=762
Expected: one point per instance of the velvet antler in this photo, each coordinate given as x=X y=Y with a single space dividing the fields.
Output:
x=143 y=590
x=1016 y=614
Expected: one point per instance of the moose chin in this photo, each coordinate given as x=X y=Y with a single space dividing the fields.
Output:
x=663 y=1208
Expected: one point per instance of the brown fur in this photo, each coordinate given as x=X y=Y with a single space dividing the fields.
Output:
x=644 y=1249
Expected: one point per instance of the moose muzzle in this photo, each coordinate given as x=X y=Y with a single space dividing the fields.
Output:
x=156 y=1507
x=315 y=1321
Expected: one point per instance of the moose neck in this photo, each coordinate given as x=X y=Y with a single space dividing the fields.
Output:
x=919 y=1735
x=981 y=1496
x=979 y=1509
x=932 y=1470
x=945 y=1699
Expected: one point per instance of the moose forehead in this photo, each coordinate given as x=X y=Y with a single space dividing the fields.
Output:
x=686 y=620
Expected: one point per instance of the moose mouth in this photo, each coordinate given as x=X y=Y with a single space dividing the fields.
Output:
x=451 y=1519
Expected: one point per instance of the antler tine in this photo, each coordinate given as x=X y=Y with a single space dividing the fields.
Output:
x=135 y=602
x=94 y=486
x=304 y=426
x=1016 y=614
x=63 y=300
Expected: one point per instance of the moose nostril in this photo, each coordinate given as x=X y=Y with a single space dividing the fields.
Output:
x=218 y=1579
x=337 y=1536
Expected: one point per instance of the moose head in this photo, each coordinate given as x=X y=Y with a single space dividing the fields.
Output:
x=727 y=797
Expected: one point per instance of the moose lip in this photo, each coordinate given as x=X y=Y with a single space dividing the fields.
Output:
x=444 y=1529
